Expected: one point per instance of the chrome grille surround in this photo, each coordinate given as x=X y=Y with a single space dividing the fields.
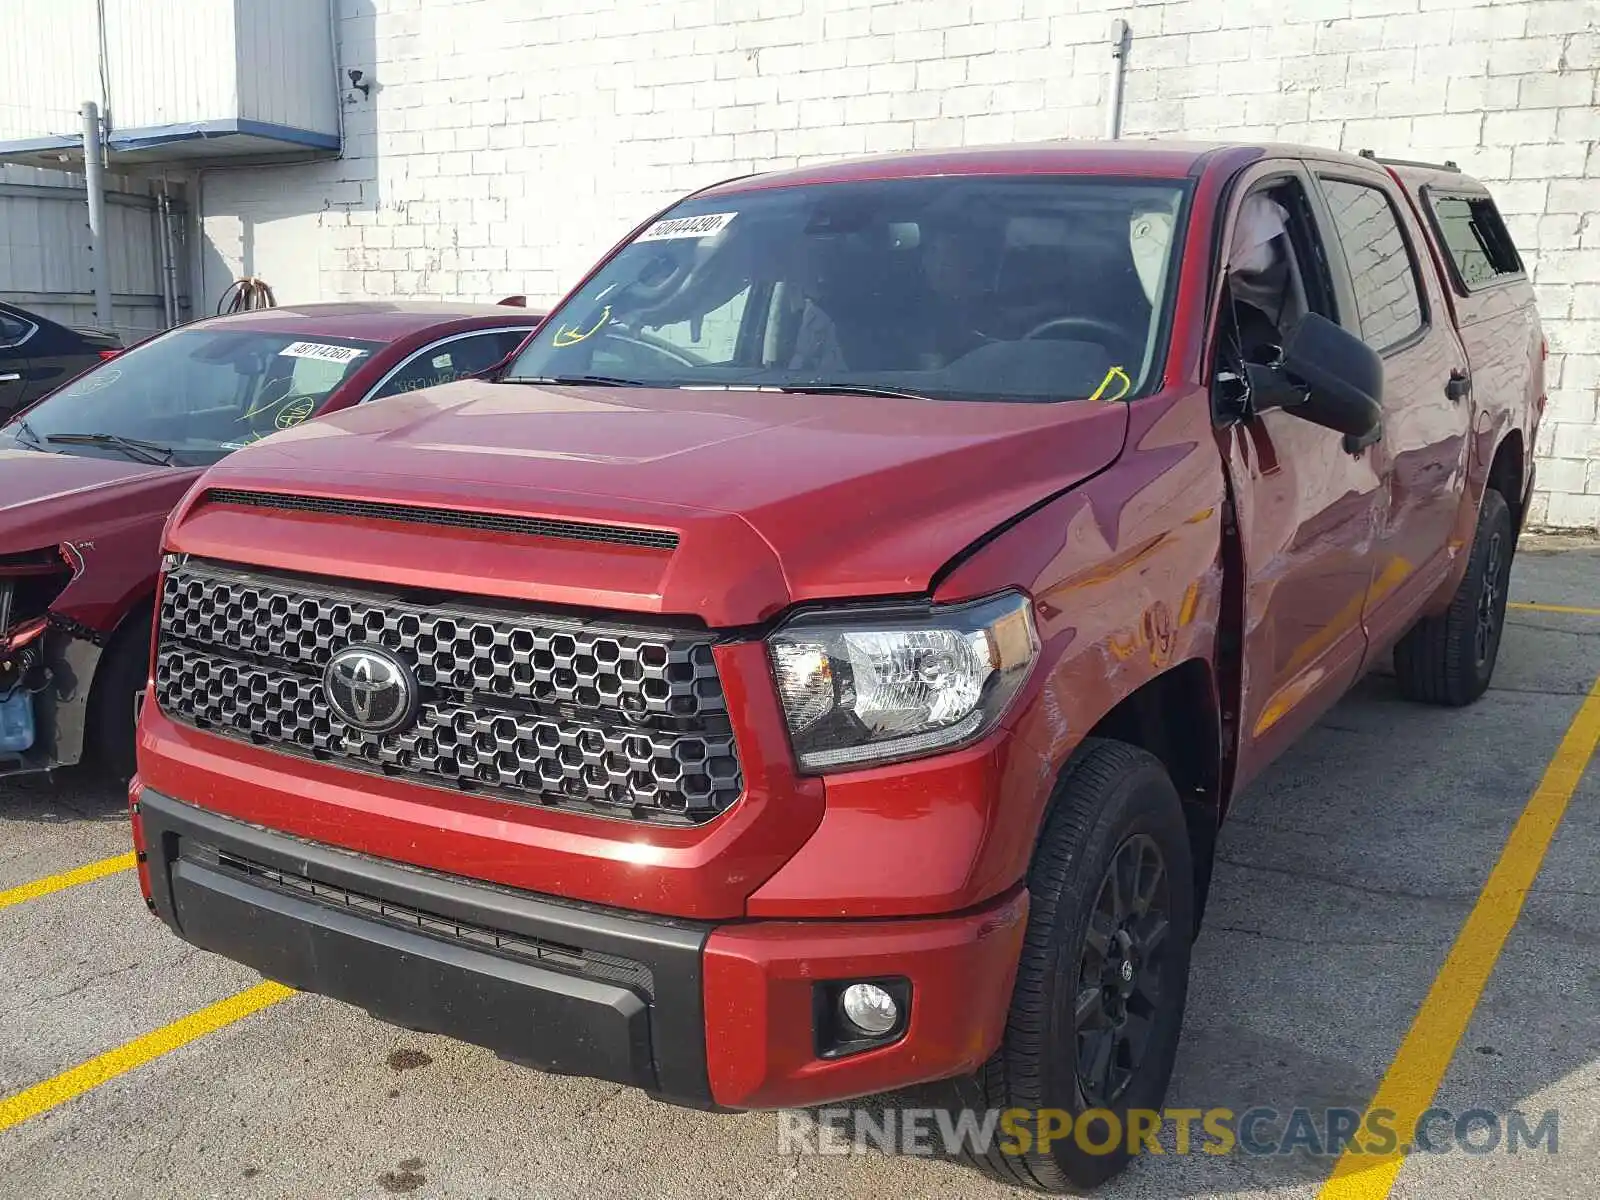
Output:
x=593 y=716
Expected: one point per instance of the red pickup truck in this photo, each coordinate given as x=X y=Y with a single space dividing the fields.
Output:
x=820 y=660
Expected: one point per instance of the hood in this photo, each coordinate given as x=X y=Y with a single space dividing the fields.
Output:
x=50 y=498
x=774 y=498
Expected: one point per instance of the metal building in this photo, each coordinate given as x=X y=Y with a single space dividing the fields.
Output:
x=180 y=87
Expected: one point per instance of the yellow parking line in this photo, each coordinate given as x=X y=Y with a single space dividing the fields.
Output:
x=42 y=1097
x=1414 y=1076
x=1528 y=606
x=55 y=883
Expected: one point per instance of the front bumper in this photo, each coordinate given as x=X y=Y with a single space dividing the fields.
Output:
x=694 y=1013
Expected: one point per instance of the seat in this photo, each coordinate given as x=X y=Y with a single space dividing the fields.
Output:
x=1092 y=278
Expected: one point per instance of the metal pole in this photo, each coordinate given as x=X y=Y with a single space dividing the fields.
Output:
x=1119 y=66
x=95 y=184
x=169 y=254
x=161 y=265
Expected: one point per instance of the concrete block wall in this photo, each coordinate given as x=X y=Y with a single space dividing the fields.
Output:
x=508 y=143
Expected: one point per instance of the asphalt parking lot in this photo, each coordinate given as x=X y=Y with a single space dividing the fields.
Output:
x=1345 y=877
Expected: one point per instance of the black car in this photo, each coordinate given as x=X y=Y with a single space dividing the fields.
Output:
x=38 y=356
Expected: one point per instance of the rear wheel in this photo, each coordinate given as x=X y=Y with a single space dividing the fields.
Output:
x=1100 y=990
x=1449 y=659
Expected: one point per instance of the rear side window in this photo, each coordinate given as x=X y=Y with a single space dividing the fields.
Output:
x=11 y=329
x=1476 y=239
x=447 y=361
x=1381 y=268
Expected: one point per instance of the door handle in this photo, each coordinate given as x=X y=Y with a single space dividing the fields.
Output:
x=1459 y=385
x=10 y=377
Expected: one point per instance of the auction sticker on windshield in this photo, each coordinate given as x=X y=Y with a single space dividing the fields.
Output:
x=707 y=225
x=334 y=354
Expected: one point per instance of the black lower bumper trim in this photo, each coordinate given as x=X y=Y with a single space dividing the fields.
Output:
x=566 y=987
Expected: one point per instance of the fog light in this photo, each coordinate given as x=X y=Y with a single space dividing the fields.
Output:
x=870 y=1009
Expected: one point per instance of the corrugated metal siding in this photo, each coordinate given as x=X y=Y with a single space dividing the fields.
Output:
x=286 y=64
x=47 y=66
x=43 y=239
x=45 y=263
x=171 y=62
x=168 y=62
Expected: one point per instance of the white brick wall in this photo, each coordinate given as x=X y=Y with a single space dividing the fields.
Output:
x=509 y=143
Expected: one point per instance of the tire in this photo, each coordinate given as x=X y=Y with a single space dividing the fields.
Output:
x=1449 y=659
x=109 y=733
x=1114 y=806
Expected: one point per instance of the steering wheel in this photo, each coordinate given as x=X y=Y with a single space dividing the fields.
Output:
x=649 y=345
x=1100 y=331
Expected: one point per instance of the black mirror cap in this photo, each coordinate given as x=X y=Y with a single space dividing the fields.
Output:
x=1344 y=376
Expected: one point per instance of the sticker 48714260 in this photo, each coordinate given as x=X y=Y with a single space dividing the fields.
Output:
x=704 y=226
x=321 y=350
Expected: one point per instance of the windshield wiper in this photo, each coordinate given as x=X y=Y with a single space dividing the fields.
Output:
x=137 y=449
x=27 y=434
x=578 y=380
x=851 y=389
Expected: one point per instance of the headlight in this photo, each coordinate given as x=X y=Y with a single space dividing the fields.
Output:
x=865 y=688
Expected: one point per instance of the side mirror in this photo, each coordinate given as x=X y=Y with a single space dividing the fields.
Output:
x=1327 y=376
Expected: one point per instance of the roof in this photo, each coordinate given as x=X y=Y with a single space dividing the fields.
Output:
x=1446 y=177
x=1152 y=159
x=381 y=320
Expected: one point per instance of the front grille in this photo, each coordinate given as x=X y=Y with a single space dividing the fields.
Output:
x=577 y=531
x=570 y=960
x=540 y=709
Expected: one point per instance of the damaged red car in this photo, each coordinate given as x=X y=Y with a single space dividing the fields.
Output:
x=89 y=473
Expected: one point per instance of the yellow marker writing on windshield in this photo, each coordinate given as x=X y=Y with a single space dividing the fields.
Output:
x=296 y=412
x=567 y=335
x=259 y=406
x=1113 y=375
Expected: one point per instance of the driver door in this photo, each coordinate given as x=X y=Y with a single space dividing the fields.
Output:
x=1306 y=512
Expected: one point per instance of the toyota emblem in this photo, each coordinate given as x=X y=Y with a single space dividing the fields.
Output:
x=370 y=689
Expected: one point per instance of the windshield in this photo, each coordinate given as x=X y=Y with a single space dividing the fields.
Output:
x=192 y=396
x=972 y=288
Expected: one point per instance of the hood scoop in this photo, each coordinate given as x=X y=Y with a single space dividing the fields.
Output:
x=543 y=527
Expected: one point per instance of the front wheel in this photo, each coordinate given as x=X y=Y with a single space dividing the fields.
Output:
x=1101 y=985
x=1449 y=659
x=118 y=680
